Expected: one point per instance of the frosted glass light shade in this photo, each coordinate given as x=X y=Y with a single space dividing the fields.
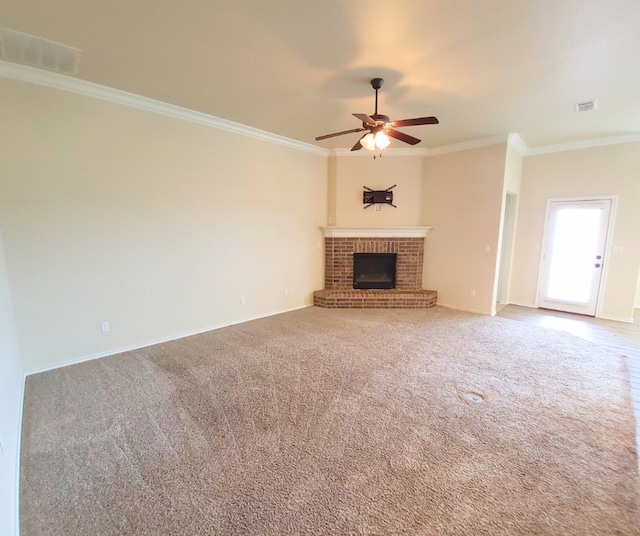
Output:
x=382 y=140
x=368 y=142
x=371 y=141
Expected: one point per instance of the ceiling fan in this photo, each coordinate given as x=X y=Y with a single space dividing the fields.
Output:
x=379 y=127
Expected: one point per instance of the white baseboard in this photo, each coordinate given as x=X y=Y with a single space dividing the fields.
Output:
x=617 y=319
x=626 y=320
x=160 y=341
x=18 y=451
x=530 y=305
x=464 y=309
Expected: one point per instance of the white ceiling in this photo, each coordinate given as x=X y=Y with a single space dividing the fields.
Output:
x=300 y=68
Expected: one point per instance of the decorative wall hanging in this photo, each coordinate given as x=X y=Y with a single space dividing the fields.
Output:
x=372 y=197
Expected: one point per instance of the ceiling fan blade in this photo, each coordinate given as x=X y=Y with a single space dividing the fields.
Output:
x=417 y=121
x=358 y=145
x=340 y=133
x=365 y=119
x=402 y=136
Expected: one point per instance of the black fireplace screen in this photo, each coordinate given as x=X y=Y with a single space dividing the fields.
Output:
x=374 y=270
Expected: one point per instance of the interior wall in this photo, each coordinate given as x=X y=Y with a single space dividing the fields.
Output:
x=463 y=199
x=597 y=171
x=512 y=182
x=513 y=170
x=354 y=172
x=11 y=390
x=332 y=186
x=637 y=300
x=156 y=225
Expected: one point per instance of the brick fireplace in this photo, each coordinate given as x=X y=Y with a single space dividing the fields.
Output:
x=340 y=245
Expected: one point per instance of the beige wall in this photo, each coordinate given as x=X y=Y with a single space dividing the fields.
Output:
x=509 y=211
x=11 y=383
x=332 y=178
x=354 y=172
x=599 y=171
x=463 y=199
x=513 y=170
x=154 y=224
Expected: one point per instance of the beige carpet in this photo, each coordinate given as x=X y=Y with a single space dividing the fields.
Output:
x=337 y=422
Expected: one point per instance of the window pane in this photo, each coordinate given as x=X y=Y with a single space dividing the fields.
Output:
x=573 y=254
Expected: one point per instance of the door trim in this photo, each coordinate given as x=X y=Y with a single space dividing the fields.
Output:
x=608 y=248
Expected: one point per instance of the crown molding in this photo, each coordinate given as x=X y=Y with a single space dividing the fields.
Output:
x=471 y=144
x=518 y=143
x=512 y=139
x=62 y=82
x=394 y=151
x=33 y=75
x=584 y=144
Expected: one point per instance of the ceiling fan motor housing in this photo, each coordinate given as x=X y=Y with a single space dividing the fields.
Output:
x=376 y=83
x=379 y=118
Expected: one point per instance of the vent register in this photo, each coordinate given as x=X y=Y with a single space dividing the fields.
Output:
x=27 y=49
x=586 y=106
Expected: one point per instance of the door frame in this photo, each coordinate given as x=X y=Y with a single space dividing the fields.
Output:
x=608 y=248
x=507 y=243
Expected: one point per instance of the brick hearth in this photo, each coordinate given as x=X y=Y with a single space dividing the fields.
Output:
x=375 y=299
x=408 y=243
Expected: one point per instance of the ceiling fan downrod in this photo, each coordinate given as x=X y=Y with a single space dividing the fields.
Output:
x=376 y=84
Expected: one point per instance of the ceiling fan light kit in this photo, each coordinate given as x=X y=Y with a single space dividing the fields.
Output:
x=380 y=127
x=377 y=141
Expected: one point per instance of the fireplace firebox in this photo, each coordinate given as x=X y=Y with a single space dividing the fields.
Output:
x=374 y=270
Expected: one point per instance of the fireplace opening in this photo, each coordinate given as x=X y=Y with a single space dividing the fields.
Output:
x=374 y=270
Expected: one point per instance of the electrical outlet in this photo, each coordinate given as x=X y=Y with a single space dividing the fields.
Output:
x=286 y=291
x=104 y=326
x=243 y=300
x=473 y=293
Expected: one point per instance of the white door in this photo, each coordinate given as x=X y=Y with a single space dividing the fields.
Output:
x=573 y=255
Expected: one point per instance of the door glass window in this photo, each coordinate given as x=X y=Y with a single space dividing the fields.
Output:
x=575 y=245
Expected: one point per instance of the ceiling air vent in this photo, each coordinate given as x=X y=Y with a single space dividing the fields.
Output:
x=37 y=52
x=586 y=106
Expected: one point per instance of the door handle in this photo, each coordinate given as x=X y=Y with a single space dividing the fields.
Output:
x=597 y=265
